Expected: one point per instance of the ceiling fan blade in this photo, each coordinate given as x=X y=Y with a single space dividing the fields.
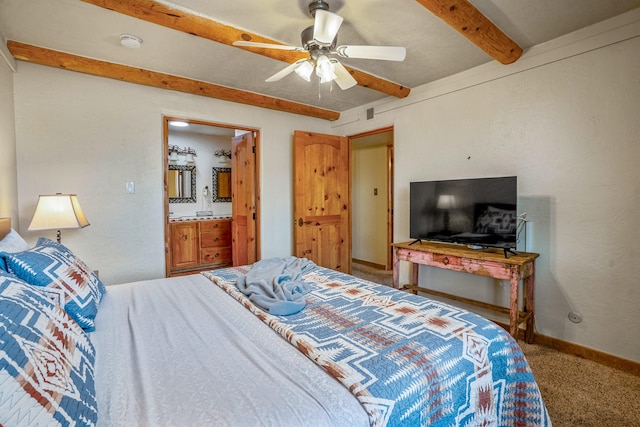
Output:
x=286 y=71
x=326 y=26
x=387 y=53
x=343 y=78
x=266 y=45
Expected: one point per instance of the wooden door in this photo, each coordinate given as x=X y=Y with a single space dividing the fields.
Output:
x=243 y=199
x=184 y=245
x=322 y=199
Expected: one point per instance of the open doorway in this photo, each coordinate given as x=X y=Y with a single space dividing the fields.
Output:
x=207 y=166
x=372 y=197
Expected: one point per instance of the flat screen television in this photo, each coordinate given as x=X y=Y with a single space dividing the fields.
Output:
x=480 y=212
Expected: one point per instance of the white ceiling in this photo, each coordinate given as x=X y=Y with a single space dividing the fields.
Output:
x=434 y=50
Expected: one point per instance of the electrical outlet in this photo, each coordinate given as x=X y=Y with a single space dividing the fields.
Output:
x=375 y=191
x=575 y=317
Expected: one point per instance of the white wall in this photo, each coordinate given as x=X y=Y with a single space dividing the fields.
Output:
x=88 y=135
x=369 y=215
x=8 y=172
x=565 y=120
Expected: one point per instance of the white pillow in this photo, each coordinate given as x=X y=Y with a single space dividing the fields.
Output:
x=13 y=242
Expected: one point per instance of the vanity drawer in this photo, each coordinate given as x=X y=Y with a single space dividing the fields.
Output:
x=216 y=226
x=215 y=255
x=214 y=239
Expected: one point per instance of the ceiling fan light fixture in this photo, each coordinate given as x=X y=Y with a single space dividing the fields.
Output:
x=320 y=40
x=304 y=70
x=325 y=69
x=327 y=78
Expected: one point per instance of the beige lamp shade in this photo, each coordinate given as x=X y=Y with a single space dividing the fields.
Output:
x=58 y=212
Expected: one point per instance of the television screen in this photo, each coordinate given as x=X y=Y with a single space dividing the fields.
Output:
x=478 y=212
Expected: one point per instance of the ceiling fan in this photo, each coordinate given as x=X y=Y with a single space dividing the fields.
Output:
x=320 y=41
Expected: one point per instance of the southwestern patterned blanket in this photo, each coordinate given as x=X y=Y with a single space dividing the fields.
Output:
x=409 y=360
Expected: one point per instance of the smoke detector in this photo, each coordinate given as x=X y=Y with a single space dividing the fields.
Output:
x=130 y=41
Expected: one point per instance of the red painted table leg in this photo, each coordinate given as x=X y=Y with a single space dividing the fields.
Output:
x=396 y=269
x=529 y=306
x=513 y=305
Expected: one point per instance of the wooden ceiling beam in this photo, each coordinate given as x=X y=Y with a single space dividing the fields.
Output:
x=181 y=20
x=66 y=61
x=471 y=23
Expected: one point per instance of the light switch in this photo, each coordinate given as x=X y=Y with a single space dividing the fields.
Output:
x=130 y=187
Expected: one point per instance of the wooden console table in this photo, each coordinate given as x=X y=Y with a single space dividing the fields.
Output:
x=485 y=262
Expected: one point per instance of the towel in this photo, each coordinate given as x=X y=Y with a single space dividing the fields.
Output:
x=276 y=284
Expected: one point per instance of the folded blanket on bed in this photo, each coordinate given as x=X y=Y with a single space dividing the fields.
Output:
x=276 y=284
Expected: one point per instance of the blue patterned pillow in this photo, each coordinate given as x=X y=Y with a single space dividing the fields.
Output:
x=46 y=361
x=66 y=279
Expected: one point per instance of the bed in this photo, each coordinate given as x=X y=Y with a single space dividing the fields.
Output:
x=198 y=350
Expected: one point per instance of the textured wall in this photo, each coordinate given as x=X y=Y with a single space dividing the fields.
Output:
x=8 y=184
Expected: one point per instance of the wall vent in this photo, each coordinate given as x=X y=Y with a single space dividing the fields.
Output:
x=369 y=113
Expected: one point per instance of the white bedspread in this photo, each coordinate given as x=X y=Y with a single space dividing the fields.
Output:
x=181 y=352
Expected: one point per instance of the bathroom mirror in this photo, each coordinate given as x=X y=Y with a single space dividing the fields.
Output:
x=221 y=185
x=182 y=184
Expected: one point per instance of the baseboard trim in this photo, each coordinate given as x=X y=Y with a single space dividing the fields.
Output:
x=611 y=360
x=369 y=264
x=606 y=359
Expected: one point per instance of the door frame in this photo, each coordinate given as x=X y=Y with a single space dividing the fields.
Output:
x=165 y=141
x=390 y=182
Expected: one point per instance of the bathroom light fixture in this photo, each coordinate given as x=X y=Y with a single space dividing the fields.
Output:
x=130 y=41
x=190 y=154
x=181 y=155
x=223 y=155
x=173 y=153
x=178 y=124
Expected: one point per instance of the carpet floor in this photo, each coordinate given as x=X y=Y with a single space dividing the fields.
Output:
x=576 y=391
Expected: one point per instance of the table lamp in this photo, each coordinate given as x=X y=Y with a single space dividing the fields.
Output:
x=58 y=212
